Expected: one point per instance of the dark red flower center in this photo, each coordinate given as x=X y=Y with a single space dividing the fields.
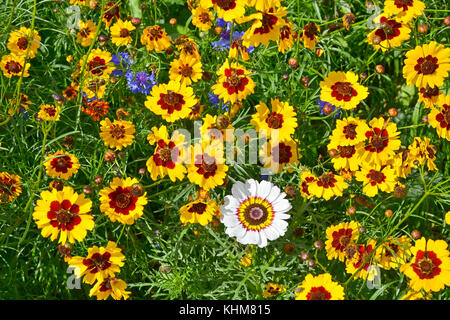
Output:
x=207 y=167
x=378 y=140
x=346 y=151
x=61 y=163
x=326 y=180
x=22 y=43
x=225 y=4
x=164 y=153
x=13 y=67
x=282 y=153
x=341 y=238
x=117 y=131
x=311 y=30
x=267 y=23
x=97 y=65
x=171 y=101
x=426 y=264
x=204 y=17
x=426 y=65
x=350 y=131
x=376 y=177
x=275 y=120
x=404 y=4
x=318 y=293
x=186 y=70
x=388 y=29
x=256 y=214
x=98 y=262
x=122 y=200
x=429 y=92
x=198 y=208
x=236 y=80
x=124 y=32
x=343 y=91
x=64 y=215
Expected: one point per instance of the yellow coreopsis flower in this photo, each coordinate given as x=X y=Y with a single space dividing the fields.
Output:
x=86 y=34
x=199 y=211
x=234 y=82
x=120 y=32
x=19 y=39
x=186 y=70
x=61 y=164
x=117 y=134
x=321 y=287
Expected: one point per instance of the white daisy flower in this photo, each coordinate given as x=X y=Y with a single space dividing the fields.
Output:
x=255 y=212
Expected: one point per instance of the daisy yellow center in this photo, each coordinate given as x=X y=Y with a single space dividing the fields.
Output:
x=22 y=43
x=117 y=132
x=255 y=213
x=13 y=66
x=124 y=32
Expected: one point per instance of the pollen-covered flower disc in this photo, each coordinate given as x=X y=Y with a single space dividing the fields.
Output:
x=427 y=65
x=439 y=118
x=64 y=213
x=172 y=101
x=343 y=90
x=123 y=200
x=255 y=212
x=429 y=269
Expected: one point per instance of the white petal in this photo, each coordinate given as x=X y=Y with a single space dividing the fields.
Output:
x=229 y=204
x=280 y=226
x=271 y=233
x=252 y=187
x=237 y=231
x=229 y=220
x=262 y=240
x=282 y=216
x=282 y=205
x=239 y=191
x=273 y=195
x=250 y=237
x=264 y=189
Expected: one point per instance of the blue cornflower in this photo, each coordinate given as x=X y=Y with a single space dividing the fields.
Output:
x=216 y=102
x=123 y=62
x=324 y=103
x=224 y=42
x=140 y=81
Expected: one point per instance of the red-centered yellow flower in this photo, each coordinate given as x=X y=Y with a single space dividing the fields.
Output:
x=202 y=18
x=346 y=156
x=307 y=178
x=349 y=131
x=262 y=5
x=311 y=36
x=49 y=113
x=228 y=10
x=238 y=50
x=429 y=268
x=447 y=218
x=405 y=10
x=87 y=33
x=390 y=34
x=394 y=252
x=9 y=186
x=413 y=295
x=365 y=257
x=427 y=65
x=113 y=287
x=321 y=287
x=111 y=11
x=19 y=39
x=61 y=164
x=186 y=70
x=280 y=118
x=172 y=100
x=343 y=90
x=196 y=111
x=286 y=39
x=79 y=2
x=64 y=213
x=155 y=38
x=198 y=211
x=217 y=127
x=429 y=96
x=123 y=200
x=439 y=118
x=339 y=237
x=187 y=47
x=207 y=167
x=402 y=163
x=383 y=141
x=99 y=264
x=98 y=64
x=234 y=82
x=423 y=152
x=280 y=156
x=168 y=156
x=13 y=65
x=22 y=102
x=70 y=92
x=121 y=32
x=117 y=134
x=273 y=289
x=376 y=178
x=265 y=27
x=328 y=185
